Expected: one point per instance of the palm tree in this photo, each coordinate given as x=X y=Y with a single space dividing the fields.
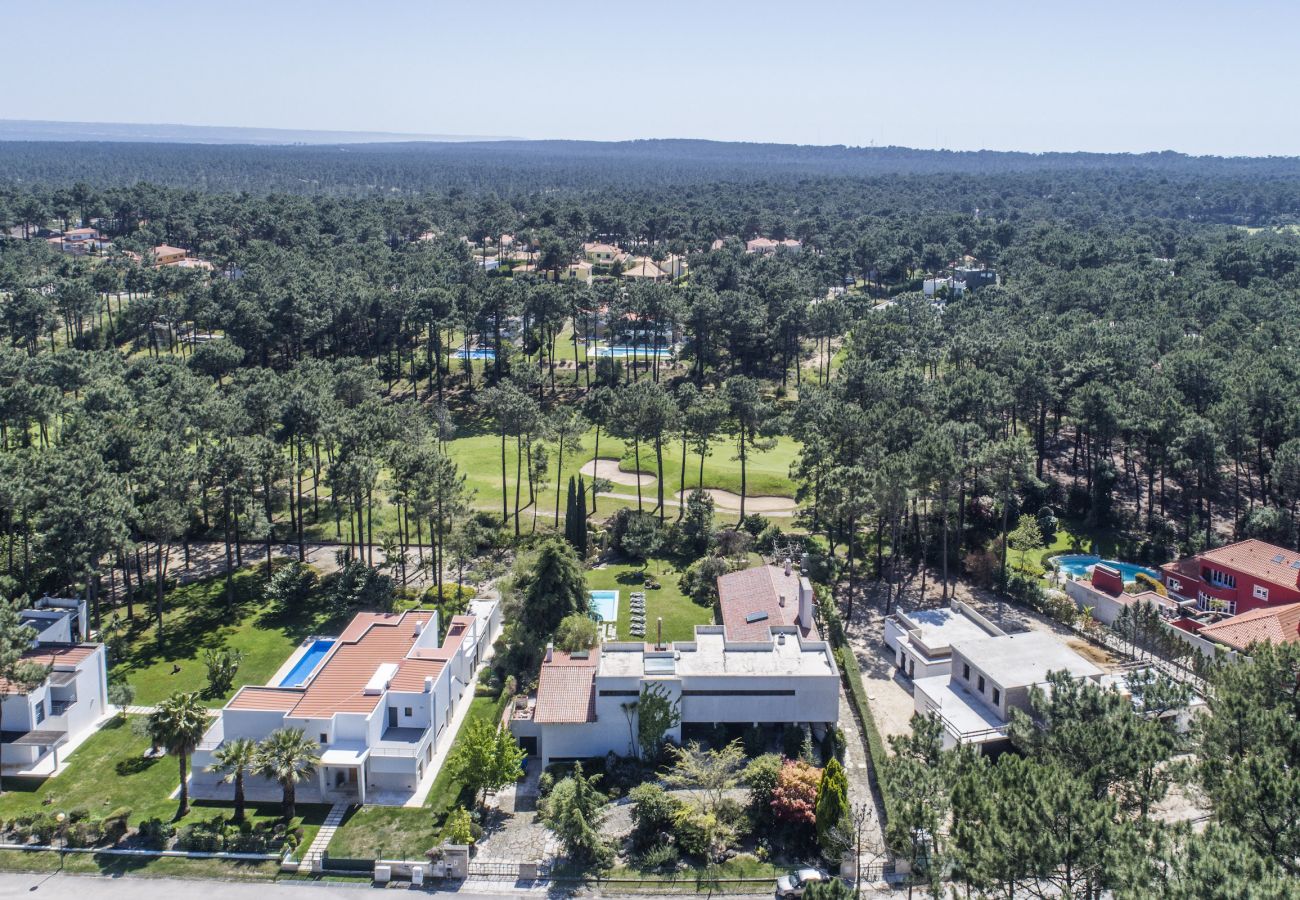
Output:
x=234 y=760
x=177 y=725
x=287 y=756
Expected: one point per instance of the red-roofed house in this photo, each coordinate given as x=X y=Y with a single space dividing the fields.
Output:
x=1263 y=625
x=754 y=600
x=378 y=699
x=1236 y=578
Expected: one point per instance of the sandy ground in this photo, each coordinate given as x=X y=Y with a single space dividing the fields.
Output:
x=726 y=501
x=609 y=470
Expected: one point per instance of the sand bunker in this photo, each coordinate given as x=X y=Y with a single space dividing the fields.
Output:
x=608 y=469
x=726 y=501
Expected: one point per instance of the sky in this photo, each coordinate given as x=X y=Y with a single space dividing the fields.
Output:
x=1193 y=76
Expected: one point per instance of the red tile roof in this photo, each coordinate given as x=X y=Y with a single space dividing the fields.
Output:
x=265 y=698
x=1274 y=625
x=758 y=590
x=66 y=657
x=566 y=690
x=1259 y=560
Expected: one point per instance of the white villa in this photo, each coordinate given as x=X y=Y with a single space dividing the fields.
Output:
x=41 y=725
x=765 y=665
x=922 y=640
x=378 y=698
x=991 y=675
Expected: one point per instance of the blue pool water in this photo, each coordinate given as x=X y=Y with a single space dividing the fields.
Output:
x=477 y=353
x=1079 y=565
x=605 y=603
x=641 y=352
x=307 y=663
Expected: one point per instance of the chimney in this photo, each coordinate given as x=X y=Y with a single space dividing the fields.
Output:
x=428 y=684
x=805 y=604
x=550 y=652
x=419 y=626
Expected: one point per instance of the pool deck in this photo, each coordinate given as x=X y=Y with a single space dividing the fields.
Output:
x=301 y=651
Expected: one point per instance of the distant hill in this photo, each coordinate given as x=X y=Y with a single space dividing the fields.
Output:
x=33 y=130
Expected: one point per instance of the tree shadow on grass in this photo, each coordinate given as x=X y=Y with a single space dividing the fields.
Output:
x=135 y=765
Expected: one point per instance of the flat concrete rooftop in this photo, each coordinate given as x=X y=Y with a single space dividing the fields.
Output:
x=1019 y=660
x=709 y=654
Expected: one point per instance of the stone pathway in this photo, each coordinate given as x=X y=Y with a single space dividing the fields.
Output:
x=150 y=710
x=311 y=859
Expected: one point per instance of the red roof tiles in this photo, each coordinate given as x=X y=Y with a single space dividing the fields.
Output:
x=566 y=689
x=758 y=591
x=1259 y=560
x=1273 y=625
x=63 y=657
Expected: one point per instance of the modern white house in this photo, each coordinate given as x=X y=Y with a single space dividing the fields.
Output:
x=988 y=677
x=379 y=699
x=922 y=640
x=765 y=665
x=40 y=726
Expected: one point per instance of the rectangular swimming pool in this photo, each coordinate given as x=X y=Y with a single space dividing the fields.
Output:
x=605 y=604
x=307 y=663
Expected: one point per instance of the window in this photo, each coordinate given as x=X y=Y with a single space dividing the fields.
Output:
x=738 y=693
x=620 y=693
x=965 y=671
x=407 y=712
x=1261 y=592
x=324 y=738
x=997 y=696
x=981 y=684
x=39 y=709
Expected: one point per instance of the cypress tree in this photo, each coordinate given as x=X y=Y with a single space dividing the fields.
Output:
x=580 y=518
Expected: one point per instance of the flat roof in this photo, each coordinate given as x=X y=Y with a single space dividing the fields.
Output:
x=711 y=653
x=1017 y=660
x=939 y=628
x=961 y=710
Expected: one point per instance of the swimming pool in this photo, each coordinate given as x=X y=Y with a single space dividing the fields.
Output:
x=640 y=352
x=307 y=663
x=477 y=353
x=605 y=604
x=1079 y=565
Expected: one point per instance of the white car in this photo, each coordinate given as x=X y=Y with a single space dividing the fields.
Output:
x=794 y=884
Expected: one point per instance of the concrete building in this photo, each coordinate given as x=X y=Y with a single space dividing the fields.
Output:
x=767 y=246
x=41 y=725
x=765 y=665
x=988 y=677
x=922 y=640
x=378 y=698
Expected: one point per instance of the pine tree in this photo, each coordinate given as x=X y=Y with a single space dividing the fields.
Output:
x=832 y=806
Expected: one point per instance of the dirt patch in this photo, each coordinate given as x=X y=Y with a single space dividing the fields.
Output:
x=729 y=502
x=608 y=469
x=1091 y=653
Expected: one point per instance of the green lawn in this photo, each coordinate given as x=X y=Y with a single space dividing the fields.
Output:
x=197 y=619
x=1070 y=537
x=679 y=612
x=386 y=832
x=155 y=867
x=109 y=771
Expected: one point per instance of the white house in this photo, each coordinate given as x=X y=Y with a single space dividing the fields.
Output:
x=922 y=640
x=40 y=726
x=378 y=698
x=988 y=677
x=765 y=665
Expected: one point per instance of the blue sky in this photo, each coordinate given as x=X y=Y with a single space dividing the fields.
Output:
x=1193 y=76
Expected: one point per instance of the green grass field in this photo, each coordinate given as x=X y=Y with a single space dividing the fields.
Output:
x=109 y=771
x=198 y=619
x=679 y=612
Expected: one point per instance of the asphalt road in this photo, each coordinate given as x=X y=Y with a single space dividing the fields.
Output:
x=47 y=886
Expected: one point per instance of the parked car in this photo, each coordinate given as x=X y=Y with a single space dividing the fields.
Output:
x=794 y=884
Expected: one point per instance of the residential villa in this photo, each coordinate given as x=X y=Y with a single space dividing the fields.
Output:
x=41 y=725
x=989 y=676
x=379 y=699
x=166 y=255
x=765 y=665
x=602 y=254
x=922 y=639
x=643 y=268
x=767 y=246
x=1236 y=578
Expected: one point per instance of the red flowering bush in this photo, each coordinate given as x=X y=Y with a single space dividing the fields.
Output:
x=795 y=796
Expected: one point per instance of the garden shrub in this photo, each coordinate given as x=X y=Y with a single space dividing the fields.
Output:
x=833 y=744
x=761 y=775
x=661 y=856
x=203 y=837
x=792 y=741
x=755 y=740
x=653 y=813
x=154 y=833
